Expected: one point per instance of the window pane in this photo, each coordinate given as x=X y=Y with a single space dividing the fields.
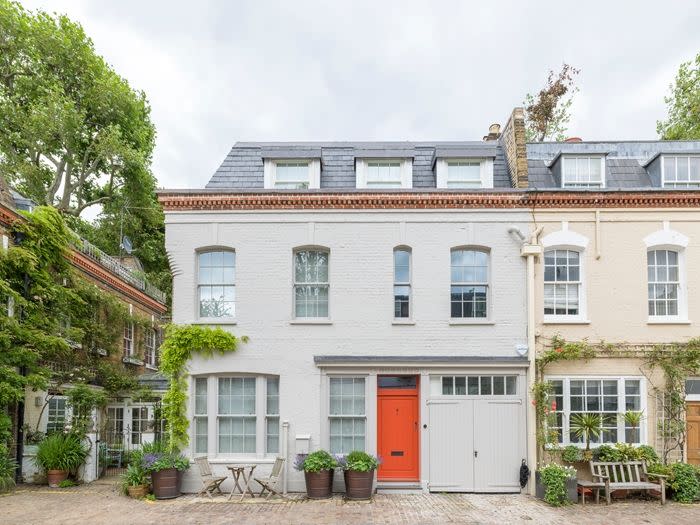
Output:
x=511 y=385
x=473 y=386
x=485 y=385
x=447 y=386
x=460 y=386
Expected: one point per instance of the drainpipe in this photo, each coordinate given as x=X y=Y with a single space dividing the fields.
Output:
x=285 y=454
x=531 y=249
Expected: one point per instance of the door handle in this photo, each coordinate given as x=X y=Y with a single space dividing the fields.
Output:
x=476 y=453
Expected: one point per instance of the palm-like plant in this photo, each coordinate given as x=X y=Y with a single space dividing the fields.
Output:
x=585 y=426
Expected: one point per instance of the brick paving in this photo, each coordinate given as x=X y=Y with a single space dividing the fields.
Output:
x=101 y=503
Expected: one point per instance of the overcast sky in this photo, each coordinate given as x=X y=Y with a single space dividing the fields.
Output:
x=220 y=72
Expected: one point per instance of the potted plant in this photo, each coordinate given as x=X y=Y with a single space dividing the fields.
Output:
x=358 y=470
x=135 y=481
x=165 y=469
x=556 y=484
x=318 y=472
x=59 y=455
x=585 y=426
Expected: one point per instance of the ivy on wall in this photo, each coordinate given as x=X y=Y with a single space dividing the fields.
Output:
x=53 y=320
x=181 y=343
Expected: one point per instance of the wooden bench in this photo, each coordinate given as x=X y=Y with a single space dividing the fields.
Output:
x=624 y=475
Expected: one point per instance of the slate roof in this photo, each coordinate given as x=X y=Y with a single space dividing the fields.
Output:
x=243 y=166
x=627 y=163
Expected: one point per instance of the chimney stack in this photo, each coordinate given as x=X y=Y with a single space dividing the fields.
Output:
x=515 y=147
x=494 y=133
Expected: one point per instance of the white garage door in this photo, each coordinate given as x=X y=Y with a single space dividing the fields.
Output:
x=476 y=441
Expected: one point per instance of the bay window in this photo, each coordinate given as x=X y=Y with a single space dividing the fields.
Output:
x=609 y=398
x=237 y=416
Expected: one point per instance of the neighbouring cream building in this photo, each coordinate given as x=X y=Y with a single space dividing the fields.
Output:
x=395 y=295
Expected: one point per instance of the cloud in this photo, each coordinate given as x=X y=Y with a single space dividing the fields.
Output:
x=219 y=72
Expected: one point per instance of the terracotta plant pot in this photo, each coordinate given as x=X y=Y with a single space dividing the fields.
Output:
x=358 y=485
x=56 y=476
x=319 y=485
x=166 y=483
x=137 y=491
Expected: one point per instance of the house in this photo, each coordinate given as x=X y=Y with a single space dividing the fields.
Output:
x=621 y=232
x=125 y=422
x=381 y=285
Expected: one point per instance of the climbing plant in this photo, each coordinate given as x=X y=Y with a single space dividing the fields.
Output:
x=181 y=343
x=55 y=325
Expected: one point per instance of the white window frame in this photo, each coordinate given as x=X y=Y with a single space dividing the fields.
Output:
x=407 y=283
x=213 y=418
x=566 y=418
x=580 y=316
x=128 y=339
x=150 y=343
x=577 y=184
x=202 y=415
x=405 y=167
x=682 y=302
x=223 y=319
x=136 y=436
x=666 y=183
x=67 y=412
x=326 y=283
x=270 y=417
x=442 y=171
x=329 y=417
x=692 y=397
x=487 y=284
x=436 y=385
x=314 y=173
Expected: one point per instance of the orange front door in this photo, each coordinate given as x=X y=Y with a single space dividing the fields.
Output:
x=693 y=438
x=397 y=422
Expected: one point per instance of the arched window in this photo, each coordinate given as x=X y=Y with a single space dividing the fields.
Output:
x=402 y=283
x=216 y=284
x=562 y=282
x=311 y=283
x=470 y=283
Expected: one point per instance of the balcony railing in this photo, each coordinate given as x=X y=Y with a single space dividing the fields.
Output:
x=118 y=269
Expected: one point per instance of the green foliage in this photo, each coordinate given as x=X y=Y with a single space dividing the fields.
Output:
x=83 y=399
x=548 y=113
x=181 y=342
x=561 y=350
x=316 y=462
x=359 y=461
x=67 y=483
x=586 y=426
x=571 y=454
x=61 y=452
x=150 y=497
x=134 y=476
x=157 y=461
x=683 y=121
x=7 y=470
x=684 y=484
x=648 y=454
x=545 y=412
x=554 y=478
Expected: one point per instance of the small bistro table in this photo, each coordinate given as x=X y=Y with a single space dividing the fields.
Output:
x=238 y=473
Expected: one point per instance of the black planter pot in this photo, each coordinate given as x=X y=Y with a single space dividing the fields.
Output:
x=358 y=485
x=166 y=483
x=571 y=486
x=319 y=485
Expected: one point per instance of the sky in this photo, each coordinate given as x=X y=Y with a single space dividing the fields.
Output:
x=218 y=72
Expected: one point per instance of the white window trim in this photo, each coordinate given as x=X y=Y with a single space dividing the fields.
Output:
x=674 y=183
x=213 y=419
x=489 y=288
x=270 y=172
x=566 y=416
x=406 y=172
x=326 y=408
x=215 y=320
x=132 y=335
x=566 y=239
x=68 y=412
x=486 y=172
x=409 y=283
x=575 y=185
x=682 y=317
x=310 y=320
x=693 y=397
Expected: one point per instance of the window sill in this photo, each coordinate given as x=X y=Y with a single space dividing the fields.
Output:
x=151 y=367
x=132 y=360
x=406 y=322
x=564 y=320
x=466 y=322
x=242 y=460
x=668 y=320
x=216 y=320
x=311 y=321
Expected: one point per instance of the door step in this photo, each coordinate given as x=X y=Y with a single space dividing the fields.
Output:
x=399 y=487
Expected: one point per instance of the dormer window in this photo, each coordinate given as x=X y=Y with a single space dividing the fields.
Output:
x=464 y=173
x=384 y=173
x=681 y=172
x=292 y=174
x=583 y=172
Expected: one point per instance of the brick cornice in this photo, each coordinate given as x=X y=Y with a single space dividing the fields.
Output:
x=212 y=201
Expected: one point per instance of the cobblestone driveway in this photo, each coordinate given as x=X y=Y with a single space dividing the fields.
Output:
x=100 y=503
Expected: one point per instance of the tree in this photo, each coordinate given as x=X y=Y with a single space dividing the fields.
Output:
x=683 y=105
x=548 y=113
x=74 y=132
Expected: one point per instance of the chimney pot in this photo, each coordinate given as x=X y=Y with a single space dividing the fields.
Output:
x=573 y=140
x=494 y=128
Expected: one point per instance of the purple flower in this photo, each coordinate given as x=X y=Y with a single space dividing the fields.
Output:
x=150 y=459
x=299 y=461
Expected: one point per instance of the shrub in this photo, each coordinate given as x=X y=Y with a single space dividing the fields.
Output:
x=554 y=478
x=648 y=454
x=157 y=461
x=684 y=483
x=7 y=470
x=571 y=454
x=134 y=476
x=315 y=462
x=359 y=461
x=606 y=453
x=67 y=483
x=61 y=452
